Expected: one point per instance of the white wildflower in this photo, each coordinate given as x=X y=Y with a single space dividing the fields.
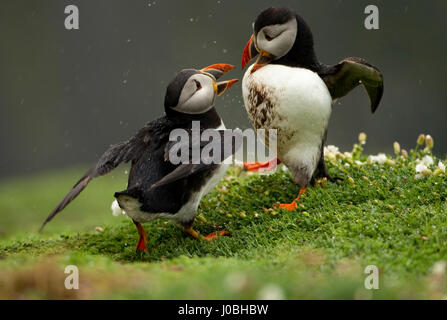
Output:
x=380 y=158
x=331 y=152
x=427 y=160
x=348 y=155
x=441 y=166
x=422 y=170
x=440 y=169
x=331 y=149
x=421 y=167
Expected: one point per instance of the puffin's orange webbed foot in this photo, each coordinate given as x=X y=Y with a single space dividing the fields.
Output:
x=287 y=206
x=209 y=237
x=262 y=166
x=293 y=205
x=216 y=234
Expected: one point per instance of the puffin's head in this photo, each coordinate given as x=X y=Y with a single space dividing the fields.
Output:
x=275 y=32
x=194 y=91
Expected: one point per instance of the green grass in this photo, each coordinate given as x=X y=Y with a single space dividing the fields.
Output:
x=379 y=214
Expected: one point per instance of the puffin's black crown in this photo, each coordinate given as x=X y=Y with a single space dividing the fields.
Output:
x=272 y=16
x=175 y=87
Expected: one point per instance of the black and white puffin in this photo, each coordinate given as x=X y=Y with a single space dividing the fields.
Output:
x=157 y=188
x=289 y=90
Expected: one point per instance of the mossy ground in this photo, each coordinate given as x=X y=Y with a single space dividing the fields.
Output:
x=378 y=214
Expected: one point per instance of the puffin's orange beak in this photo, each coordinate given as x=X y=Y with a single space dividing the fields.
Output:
x=224 y=86
x=218 y=69
x=250 y=52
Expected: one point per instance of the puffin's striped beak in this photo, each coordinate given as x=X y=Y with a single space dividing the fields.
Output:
x=250 y=52
x=218 y=70
x=224 y=86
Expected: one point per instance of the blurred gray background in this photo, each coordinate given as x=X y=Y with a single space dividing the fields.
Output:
x=65 y=96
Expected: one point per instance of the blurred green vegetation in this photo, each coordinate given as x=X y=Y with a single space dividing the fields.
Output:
x=25 y=202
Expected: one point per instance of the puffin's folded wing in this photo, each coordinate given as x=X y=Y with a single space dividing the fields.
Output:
x=348 y=74
x=116 y=154
x=221 y=145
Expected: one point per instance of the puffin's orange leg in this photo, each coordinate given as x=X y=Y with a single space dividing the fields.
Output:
x=211 y=236
x=262 y=166
x=292 y=206
x=142 y=240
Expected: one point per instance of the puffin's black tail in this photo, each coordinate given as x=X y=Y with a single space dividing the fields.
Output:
x=77 y=188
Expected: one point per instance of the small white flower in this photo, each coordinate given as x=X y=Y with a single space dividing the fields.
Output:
x=427 y=160
x=440 y=169
x=331 y=152
x=116 y=209
x=238 y=163
x=441 y=166
x=422 y=170
x=421 y=167
x=380 y=158
x=348 y=155
x=331 y=149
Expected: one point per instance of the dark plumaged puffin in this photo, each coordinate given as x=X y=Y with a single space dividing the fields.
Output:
x=288 y=89
x=158 y=188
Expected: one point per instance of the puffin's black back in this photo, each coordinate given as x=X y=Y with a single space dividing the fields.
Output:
x=152 y=165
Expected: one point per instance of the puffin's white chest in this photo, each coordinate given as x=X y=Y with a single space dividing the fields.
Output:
x=294 y=101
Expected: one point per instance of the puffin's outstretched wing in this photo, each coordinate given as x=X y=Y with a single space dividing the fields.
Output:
x=116 y=154
x=348 y=74
x=229 y=142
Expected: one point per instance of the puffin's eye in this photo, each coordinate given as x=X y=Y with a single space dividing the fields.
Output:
x=198 y=85
x=268 y=38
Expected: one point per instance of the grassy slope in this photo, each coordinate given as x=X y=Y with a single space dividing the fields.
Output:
x=378 y=214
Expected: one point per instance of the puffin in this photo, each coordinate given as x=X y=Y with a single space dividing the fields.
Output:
x=159 y=187
x=289 y=90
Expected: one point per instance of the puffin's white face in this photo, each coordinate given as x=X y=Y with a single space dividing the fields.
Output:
x=277 y=39
x=198 y=94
